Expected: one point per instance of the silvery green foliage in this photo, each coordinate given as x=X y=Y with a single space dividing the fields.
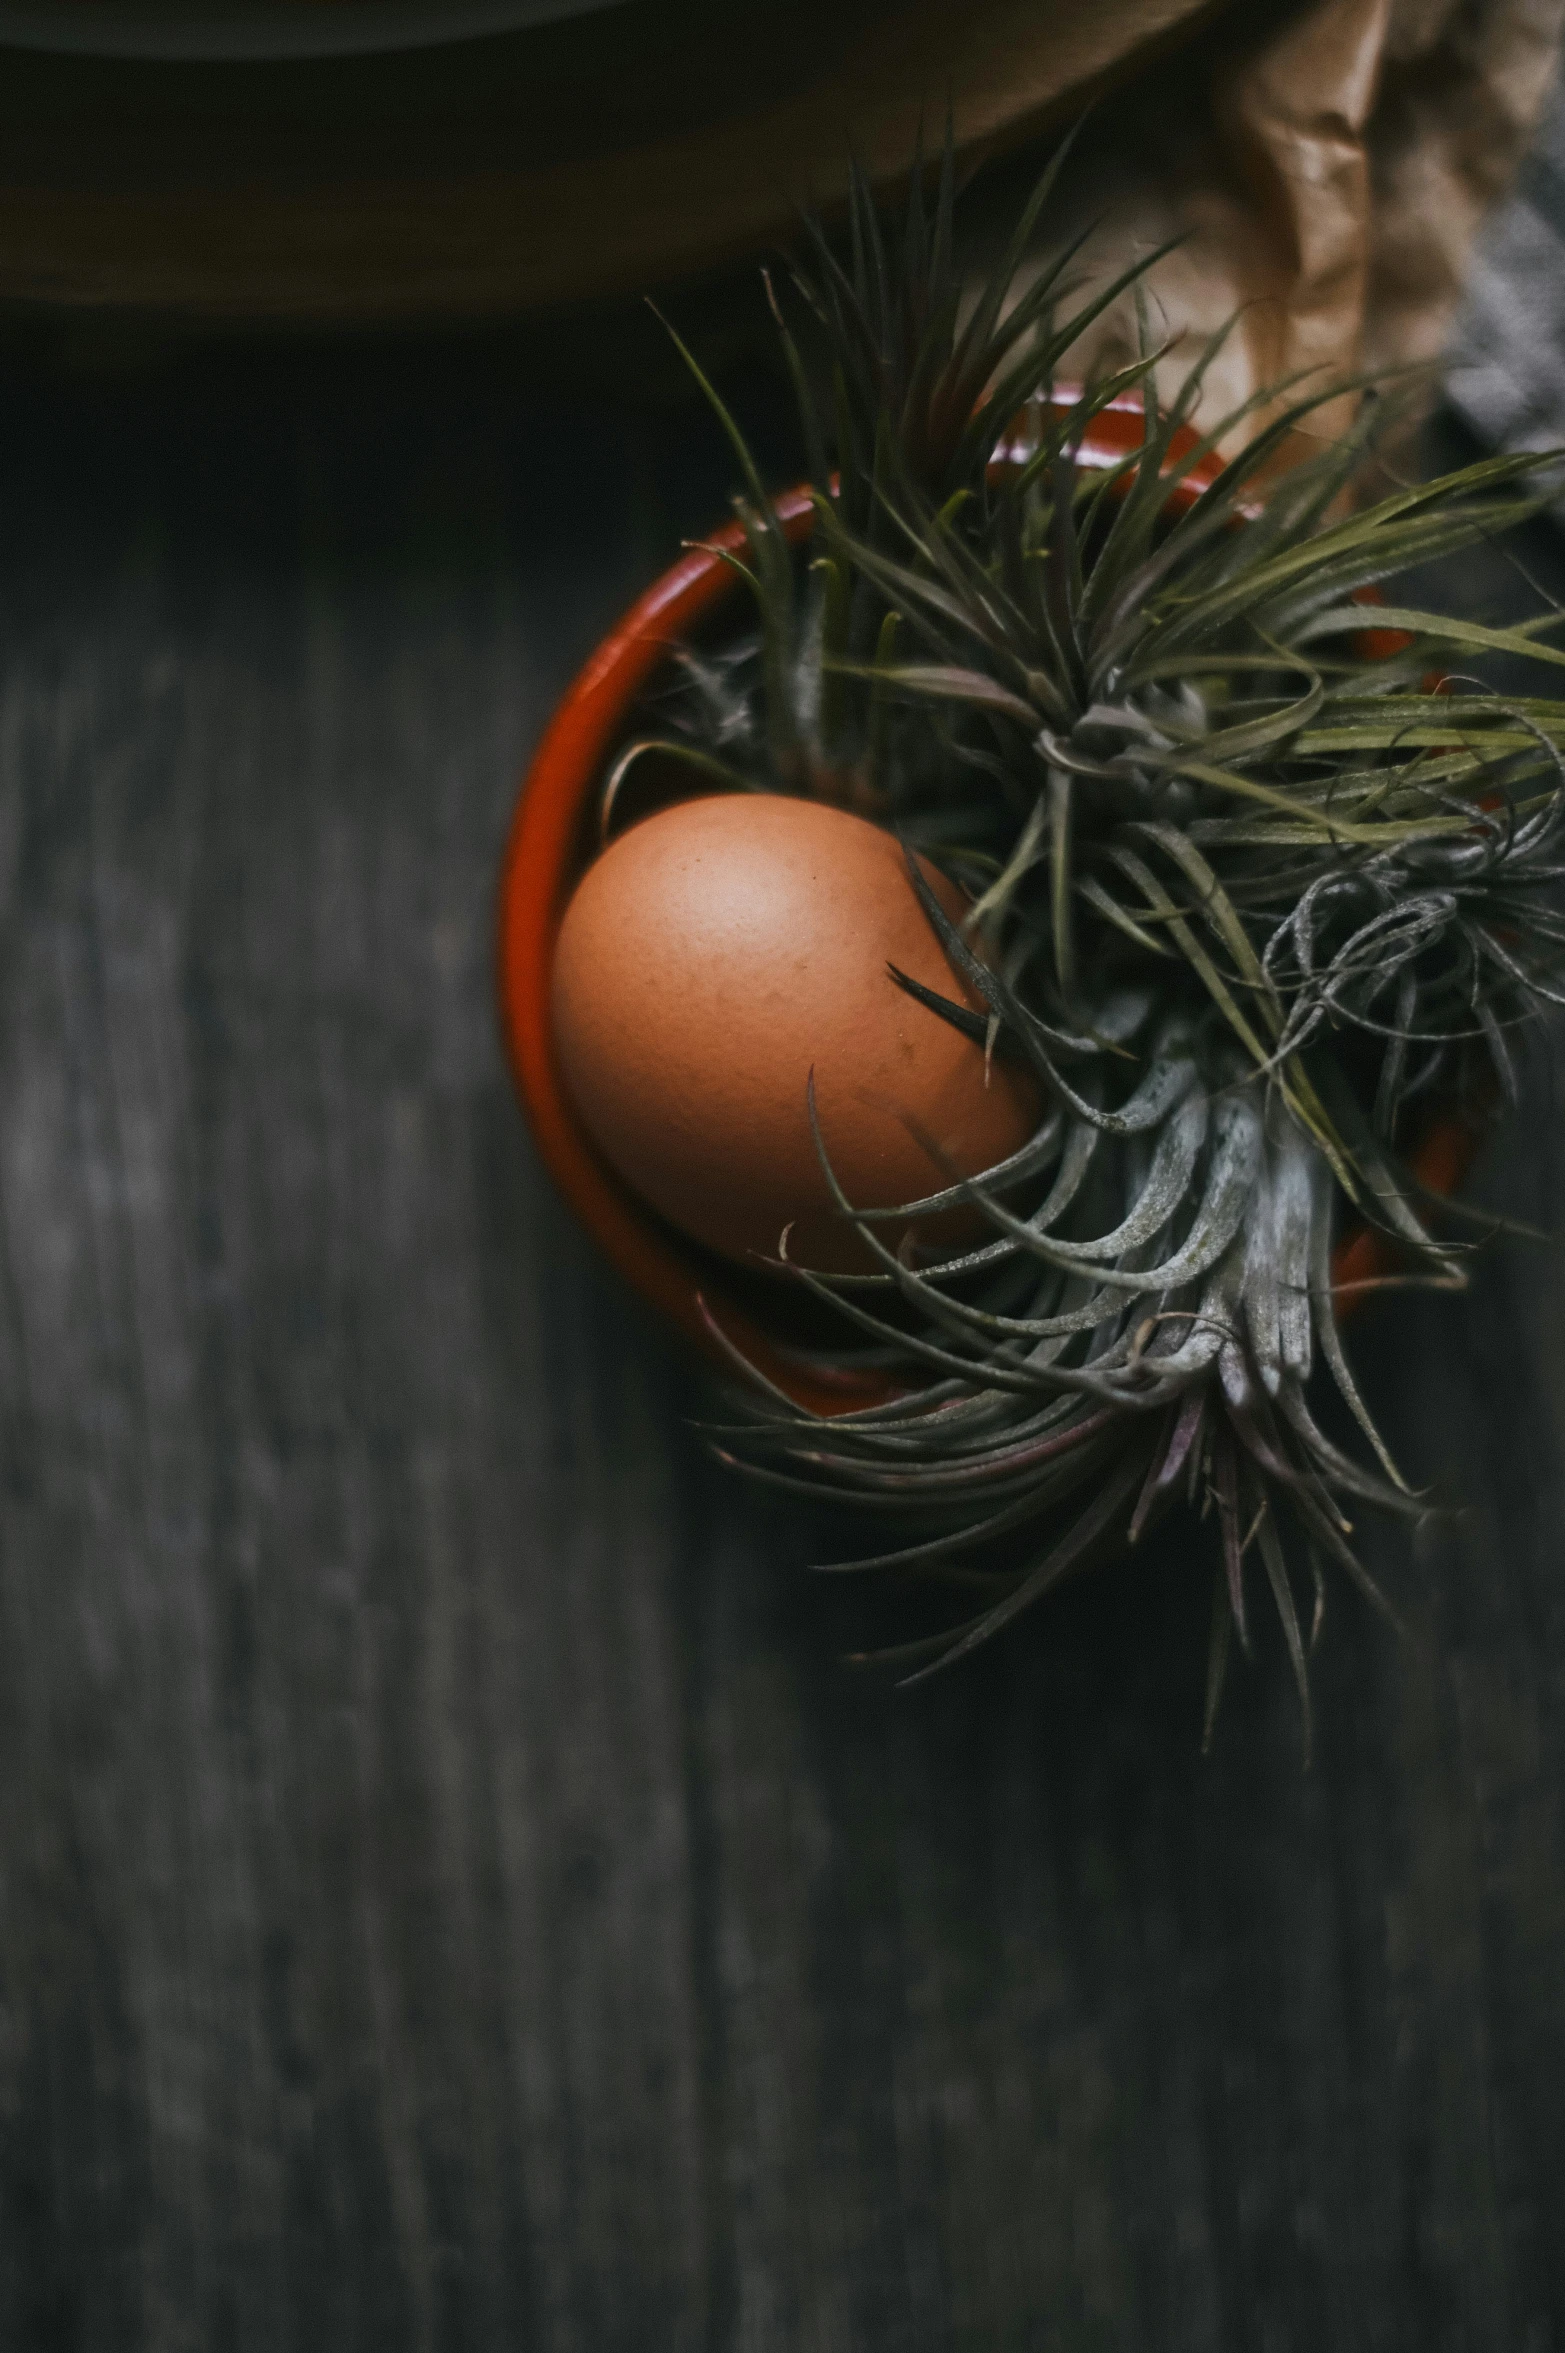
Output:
x=1246 y=902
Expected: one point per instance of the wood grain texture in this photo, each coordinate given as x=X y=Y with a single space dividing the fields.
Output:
x=450 y=1896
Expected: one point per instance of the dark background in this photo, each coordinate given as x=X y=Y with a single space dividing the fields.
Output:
x=450 y=1893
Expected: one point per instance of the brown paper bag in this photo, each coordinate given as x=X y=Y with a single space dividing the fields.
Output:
x=1328 y=175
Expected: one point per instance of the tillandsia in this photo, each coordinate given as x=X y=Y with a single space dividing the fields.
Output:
x=1251 y=907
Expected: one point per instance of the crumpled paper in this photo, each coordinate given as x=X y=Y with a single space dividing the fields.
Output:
x=1328 y=176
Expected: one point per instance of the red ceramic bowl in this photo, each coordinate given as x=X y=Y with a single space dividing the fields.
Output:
x=552 y=840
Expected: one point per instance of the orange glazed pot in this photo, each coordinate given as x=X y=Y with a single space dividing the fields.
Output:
x=552 y=840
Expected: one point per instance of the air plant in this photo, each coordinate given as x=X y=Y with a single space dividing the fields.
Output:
x=1250 y=908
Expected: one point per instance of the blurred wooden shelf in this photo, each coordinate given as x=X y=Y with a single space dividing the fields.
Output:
x=490 y=176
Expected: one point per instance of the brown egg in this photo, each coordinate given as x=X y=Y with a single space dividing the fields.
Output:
x=711 y=958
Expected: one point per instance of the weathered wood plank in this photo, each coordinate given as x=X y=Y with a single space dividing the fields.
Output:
x=449 y=1896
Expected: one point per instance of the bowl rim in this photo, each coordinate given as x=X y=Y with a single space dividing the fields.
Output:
x=251 y=32
x=547 y=850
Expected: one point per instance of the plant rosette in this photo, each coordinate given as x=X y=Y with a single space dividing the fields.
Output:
x=1000 y=953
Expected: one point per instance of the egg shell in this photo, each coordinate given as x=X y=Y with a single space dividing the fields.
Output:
x=710 y=959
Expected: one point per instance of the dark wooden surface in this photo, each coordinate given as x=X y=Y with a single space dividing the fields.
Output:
x=450 y=1896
